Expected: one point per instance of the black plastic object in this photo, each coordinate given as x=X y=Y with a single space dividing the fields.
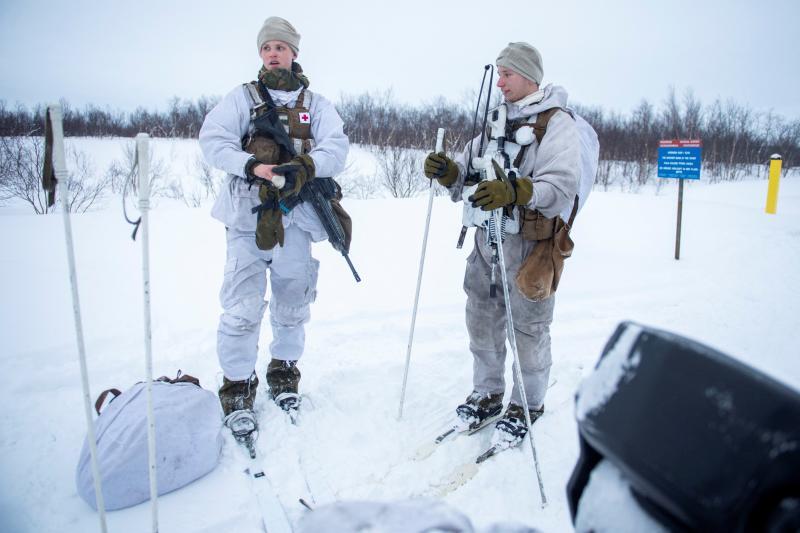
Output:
x=706 y=442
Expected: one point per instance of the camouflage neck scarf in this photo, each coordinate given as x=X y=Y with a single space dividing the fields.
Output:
x=283 y=80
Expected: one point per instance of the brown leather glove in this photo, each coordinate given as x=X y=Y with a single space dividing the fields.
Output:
x=297 y=172
x=442 y=168
x=494 y=194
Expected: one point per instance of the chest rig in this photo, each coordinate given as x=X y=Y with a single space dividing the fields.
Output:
x=261 y=139
x=501 y=150
x=509 y=154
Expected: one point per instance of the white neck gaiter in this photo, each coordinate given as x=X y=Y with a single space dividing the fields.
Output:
x=533 y=98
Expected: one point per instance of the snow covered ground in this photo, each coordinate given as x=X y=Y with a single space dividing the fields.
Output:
x=736 y=287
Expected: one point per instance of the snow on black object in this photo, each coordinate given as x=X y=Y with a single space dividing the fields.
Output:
x=188 y=443
x=706 y=442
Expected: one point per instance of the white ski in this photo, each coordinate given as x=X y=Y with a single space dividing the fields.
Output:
x=273 y=515
x=427 y=449
x=457 y=478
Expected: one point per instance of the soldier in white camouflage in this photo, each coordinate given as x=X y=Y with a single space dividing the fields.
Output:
x=549 y=168
x=263 y=169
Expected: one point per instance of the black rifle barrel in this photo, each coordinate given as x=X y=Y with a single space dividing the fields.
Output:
x=318 y=192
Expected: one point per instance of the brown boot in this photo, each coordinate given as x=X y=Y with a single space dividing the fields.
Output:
x=479 y=407
x=238 y=395
x=283 y=378
x=512 y=428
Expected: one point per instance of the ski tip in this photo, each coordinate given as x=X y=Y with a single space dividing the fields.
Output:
x=487 y=454
x=458 y=478
x=425 y=451
x=305 y=504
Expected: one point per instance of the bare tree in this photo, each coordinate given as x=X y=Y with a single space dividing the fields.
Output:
x=123 y=171
x=399 y=169
x=21 y=164
x=83 y=191
x=692 y=115
x=355 y=184
x=210 y=179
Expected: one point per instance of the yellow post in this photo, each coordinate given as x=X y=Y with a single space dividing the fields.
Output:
x=774 y=181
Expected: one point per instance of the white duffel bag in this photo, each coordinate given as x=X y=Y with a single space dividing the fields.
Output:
x=188 y=426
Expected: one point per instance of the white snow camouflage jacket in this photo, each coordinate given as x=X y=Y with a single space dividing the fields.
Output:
x=554 y=166
x=221 y=142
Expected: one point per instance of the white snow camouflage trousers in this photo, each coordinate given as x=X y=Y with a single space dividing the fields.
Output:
x=486 y=323
x=293 y=280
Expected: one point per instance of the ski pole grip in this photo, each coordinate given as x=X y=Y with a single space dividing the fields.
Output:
x=440 y=140
x=143 y=161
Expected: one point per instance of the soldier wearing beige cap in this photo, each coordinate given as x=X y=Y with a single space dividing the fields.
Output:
x=270 y=136
x=548 y=168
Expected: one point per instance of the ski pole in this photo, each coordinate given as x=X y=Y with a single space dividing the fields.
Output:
x=439 y=148
x=55 y=117
x=512 y=340
x=143 y=156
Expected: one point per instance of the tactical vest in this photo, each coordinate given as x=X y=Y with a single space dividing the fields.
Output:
x=296 y=120
x=535 y=226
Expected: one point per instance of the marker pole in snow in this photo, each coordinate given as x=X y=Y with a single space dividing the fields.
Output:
x=143 y=161
x=55 y=118
x=439 y=148
x=512 y=340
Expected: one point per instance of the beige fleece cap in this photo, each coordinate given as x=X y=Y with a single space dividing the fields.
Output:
x=278 y=29
x=524 y=59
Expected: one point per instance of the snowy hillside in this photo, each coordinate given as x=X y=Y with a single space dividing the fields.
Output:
x=736 y=287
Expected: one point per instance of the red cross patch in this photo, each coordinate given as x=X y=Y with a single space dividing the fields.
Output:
x=305 y=118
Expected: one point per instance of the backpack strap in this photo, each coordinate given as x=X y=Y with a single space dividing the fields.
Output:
x=542 y=119
x=101 y=400
x=572 y=215
x=180 y=378
x=256 y=100
x=539 y=129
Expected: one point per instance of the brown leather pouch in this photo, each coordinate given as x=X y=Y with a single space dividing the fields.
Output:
x=535 y=226
x=540 y=273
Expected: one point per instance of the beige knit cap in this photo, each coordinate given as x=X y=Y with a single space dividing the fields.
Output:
x=278 y=29
x=524 y=59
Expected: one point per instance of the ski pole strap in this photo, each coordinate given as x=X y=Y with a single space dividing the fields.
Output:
x=48 y=172
x=102 y=398
x=128 y=181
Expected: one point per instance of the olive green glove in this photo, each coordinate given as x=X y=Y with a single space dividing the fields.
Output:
x=296 y=172
x=494 y=194
x=442 y=168
x=269 y=221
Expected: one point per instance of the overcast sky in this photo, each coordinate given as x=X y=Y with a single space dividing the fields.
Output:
x=610 y=53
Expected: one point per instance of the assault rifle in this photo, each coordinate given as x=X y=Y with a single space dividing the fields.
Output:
x=319 y=192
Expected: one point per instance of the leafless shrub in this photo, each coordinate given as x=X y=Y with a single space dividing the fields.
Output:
x=209 y=178
x=400 y=171
x=124 y=171
x=83 y=192
x=21 y=164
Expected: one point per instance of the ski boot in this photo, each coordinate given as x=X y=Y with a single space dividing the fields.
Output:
x=283 y=378
x=478 y=408
x=237 y=398
x=512 y=428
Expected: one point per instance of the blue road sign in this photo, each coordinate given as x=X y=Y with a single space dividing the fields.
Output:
x=679 y=159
